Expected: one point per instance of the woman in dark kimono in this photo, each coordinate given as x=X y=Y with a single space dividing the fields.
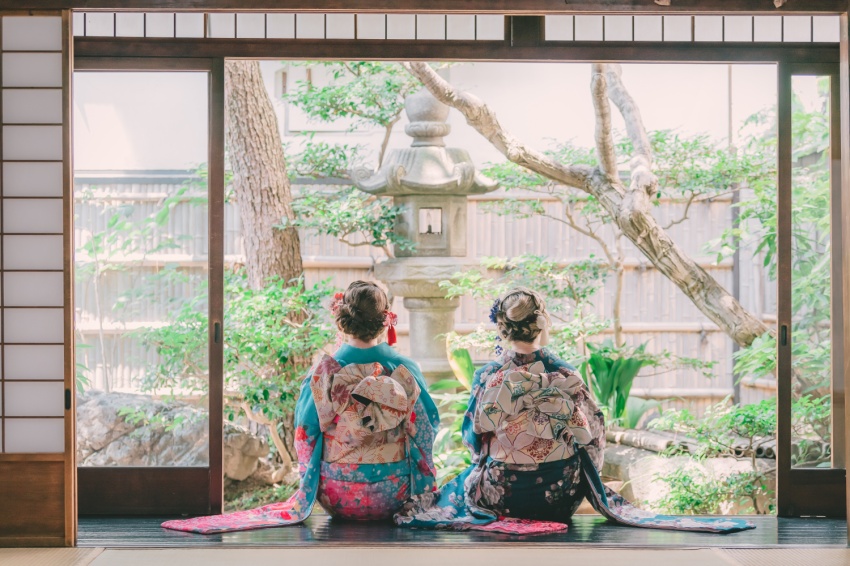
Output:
x=537 y=441
x=364 y=427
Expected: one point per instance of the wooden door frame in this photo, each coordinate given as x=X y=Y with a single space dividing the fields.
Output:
x=808 y=482
x=176 y=490
x=807 y=491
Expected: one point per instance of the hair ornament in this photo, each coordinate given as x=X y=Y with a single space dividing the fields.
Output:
x=390 y=321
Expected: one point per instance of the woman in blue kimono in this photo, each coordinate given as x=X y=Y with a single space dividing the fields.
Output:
x=364 y=427
x=537 y=441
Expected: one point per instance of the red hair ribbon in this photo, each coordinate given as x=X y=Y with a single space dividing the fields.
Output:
x=390 y=320
x=336 y=303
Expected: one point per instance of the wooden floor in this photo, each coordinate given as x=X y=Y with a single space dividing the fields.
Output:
x=585 y=530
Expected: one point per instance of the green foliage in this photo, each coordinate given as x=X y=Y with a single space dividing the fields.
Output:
x=811 y=246
x=613 y=371
x=353 y=217
x=461 y=363
x=451 y=456
x=271 y=335
x=724 y=431
x=366 y=92
x=322 y=160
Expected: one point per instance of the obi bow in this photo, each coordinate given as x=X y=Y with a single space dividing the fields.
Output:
x=362 y=395
x=542 y=404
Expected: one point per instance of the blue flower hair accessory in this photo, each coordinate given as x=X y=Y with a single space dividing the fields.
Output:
x=494 y=310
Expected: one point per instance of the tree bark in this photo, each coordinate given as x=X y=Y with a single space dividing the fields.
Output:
x=264 y=198
x=630 y=209
x=260 y=182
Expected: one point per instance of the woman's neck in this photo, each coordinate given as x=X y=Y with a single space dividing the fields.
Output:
x=525 y=347
x=358 y=343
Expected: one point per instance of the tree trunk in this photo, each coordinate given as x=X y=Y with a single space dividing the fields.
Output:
x=262 y=191
x=260 y=182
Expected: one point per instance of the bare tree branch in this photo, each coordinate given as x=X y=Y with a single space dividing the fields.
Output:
x=631 y=211
x=483 y=119
x=641 y=163
x=684 y=216
x=604 y=135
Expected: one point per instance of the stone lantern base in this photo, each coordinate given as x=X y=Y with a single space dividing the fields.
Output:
x=431 y=314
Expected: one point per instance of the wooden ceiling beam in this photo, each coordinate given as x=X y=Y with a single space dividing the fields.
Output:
x=381 y=50
x=517 y=7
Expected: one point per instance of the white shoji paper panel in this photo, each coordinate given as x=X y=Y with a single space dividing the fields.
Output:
x=29 y=399
x=250 y=26
x=100 y=24
x=34 y=362
x=491 y=27
x=33 y=289
x=32 y=216
x=32 y=69
x=618 y=28
x=558 y=28
x=221 y=25
x=739 y=28
x=401 y=26
x=31 y=166
x=430 y=26
x=32 y=252
x=460 y=26
x=649 y=28
x=310 y=26
x=33 y=326
x=797 y=28
x=280 y=26
x=32 y=142
x=32 y=179
x=826 y=29
x=189 y=25
x=339 y=26
x=767 y=28
x=371 y=26
x=588 y=28
x=129 y=24
x=26 y=33
x=159 y=24
x=78 y=24
x=34 y=435
x=708 y=28
x=677 y=28
x=25 y=106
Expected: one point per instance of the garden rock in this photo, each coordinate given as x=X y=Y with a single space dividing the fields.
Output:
x=124 y=429
x=640 y=469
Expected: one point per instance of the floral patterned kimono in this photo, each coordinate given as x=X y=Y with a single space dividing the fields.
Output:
x=364 y=430
x=537 y=442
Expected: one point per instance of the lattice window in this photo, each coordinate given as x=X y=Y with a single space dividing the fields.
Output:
x=445 y=27
x=32 y=324
x=773 y=29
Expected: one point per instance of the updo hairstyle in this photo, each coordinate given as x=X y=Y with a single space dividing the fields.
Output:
x=521 y=316
x=362 y=311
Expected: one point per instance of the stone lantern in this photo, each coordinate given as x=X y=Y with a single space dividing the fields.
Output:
x=430 y=184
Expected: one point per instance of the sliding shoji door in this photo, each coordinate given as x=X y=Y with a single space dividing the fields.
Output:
x=37 y=494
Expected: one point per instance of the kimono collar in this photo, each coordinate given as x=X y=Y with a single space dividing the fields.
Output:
x=353 y=355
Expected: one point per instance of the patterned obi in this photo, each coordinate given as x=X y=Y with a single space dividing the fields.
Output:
x=365 y=413
x=531 y=416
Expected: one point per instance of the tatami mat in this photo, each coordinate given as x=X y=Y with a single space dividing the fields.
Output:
x=418 y=556
x=48 y=556
x=410 y=557
x=789 y=556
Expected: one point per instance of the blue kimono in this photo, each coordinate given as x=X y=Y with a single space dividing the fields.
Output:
x=364 y=431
